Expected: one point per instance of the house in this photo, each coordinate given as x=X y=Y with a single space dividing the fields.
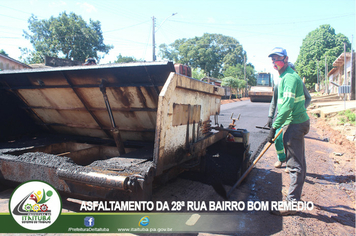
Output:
x=55 y=62
x=7 y=63
x=336 y=75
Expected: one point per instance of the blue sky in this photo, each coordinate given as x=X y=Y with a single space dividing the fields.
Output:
x=259 y=25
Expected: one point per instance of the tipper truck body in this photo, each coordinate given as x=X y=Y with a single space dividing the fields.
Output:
x=112 y=131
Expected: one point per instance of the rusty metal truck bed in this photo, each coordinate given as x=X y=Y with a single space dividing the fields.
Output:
x=119 y=127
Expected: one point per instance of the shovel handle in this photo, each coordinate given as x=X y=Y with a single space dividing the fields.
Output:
x=253 y=164
x=264 y=127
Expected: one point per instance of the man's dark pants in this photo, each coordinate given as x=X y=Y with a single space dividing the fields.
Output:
x=293 y=140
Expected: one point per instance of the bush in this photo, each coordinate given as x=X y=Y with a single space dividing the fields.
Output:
x=342 y=120
x=350 y=115
x=346 y=116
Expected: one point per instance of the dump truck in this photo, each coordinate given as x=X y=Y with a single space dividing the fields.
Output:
x=263 y=91
x=114 y=131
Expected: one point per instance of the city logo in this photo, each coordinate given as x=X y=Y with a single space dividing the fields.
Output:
x=35 y=205
x=144 y=221
x=89 y=221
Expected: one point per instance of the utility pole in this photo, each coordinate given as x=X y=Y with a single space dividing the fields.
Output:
x=153 y=40
x=153 y=35
x=345 y=70
x=326 y=77
x=352 y=77
x=245 y=75
x=345 y=75
x=317 y=75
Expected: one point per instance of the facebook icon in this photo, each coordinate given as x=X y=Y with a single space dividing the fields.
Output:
x=89 y=221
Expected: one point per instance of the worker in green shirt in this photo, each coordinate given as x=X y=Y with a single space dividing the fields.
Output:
x=272 y=108
x=294 y=120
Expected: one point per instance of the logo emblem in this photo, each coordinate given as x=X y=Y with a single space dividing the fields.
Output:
x=89 y=221
x=35 y=205
x=144 y=221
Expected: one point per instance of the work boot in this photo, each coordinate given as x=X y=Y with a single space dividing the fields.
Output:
x=278 y=164
x=284 y=212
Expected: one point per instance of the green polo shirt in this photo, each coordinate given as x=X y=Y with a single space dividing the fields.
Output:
x=291 y=99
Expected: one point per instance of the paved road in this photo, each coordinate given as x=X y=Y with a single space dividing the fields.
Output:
x=252 y=114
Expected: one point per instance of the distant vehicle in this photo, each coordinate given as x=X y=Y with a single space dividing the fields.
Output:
x=263 y=91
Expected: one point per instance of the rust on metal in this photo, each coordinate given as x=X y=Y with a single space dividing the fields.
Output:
x=181 y=101
x=68 y=99
x=158 y=119
x=91 y=176
x=115 y=131
x=187 y=132
x=185 y=113
x=84 y=103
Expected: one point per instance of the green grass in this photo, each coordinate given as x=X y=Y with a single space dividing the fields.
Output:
x=346 y=116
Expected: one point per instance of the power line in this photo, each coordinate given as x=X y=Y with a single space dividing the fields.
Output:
x=8 y=32
x=10 y=27
x=10 y=38
x=126 y=27
x=127 y=40
x=12 y=17
x=266 y=24
x=114 y=9
x=148 y=41
x=16 y=9
x=253 y=33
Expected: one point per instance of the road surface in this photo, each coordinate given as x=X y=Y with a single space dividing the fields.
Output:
x=252 y=114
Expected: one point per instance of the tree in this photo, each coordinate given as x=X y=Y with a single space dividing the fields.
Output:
x=121 y=59
x=211 y=53
x=232 y=83
x=65 y=36
x=198 y=74
x=3 y=52
x=317 y=44
x=241 y=85
x=237 y=71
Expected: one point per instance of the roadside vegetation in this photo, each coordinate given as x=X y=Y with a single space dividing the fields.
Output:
x=347 y=116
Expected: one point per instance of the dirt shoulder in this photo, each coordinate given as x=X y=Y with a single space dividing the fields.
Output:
x=330 y=185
